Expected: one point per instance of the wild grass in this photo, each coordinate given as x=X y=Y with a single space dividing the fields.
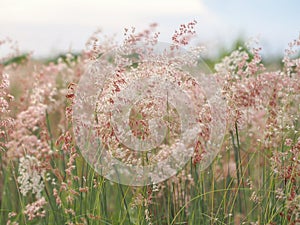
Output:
x=253 y=180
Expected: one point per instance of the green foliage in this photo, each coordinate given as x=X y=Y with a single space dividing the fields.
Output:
x=20 y=59
x=63 y=57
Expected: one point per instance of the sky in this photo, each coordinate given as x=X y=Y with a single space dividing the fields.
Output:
x=49 y=27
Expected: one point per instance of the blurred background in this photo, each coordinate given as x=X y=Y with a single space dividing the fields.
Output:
x=51 y=27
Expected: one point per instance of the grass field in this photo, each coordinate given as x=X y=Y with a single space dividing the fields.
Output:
x=255 y=178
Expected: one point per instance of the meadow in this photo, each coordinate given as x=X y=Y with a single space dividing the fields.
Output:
x=254 y=178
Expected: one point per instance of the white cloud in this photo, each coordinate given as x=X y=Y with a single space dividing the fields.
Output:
x=69 y=21
x=92 y=12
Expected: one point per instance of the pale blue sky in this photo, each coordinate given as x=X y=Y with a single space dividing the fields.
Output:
x=53 y=26
x=276 y=22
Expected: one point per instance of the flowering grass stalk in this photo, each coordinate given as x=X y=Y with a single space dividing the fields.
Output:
x=255 y=178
